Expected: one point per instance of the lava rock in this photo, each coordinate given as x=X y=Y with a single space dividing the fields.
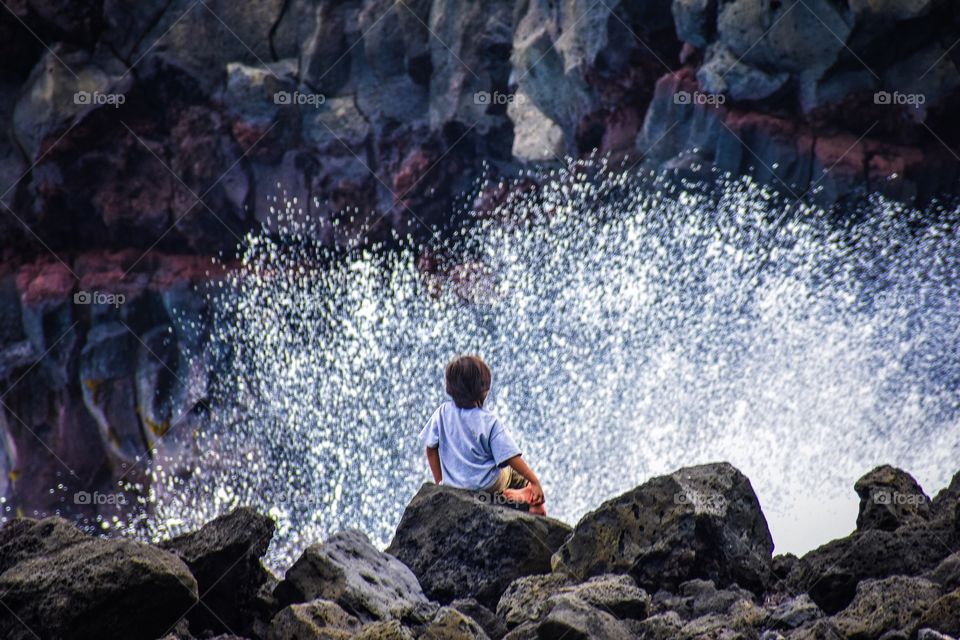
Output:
x=527 y=598
x=450 y=624
x=831 y=573
x=698 y=522
x=25 y=538
x=891 y=604
x=943 y=615
x=946 y=503
x=487 y=619
x=58 y=585
x=889 y=499
x=947 y=573
x=315 y=620
x=794 y=613
x=385 y=630
x=460 y=546
x=350 y=571
x=616 y=594
x=532 y=598
x=699 y=598
x=224 y=556
x=572 y=617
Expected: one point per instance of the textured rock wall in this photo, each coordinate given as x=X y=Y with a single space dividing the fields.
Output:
x=136 y=132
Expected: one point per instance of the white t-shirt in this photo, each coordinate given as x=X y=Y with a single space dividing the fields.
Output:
x=473 y=445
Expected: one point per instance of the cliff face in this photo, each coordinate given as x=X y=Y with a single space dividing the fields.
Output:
x=138 y=133
x=169 y=125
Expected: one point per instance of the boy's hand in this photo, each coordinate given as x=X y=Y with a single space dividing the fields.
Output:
x=535 y=493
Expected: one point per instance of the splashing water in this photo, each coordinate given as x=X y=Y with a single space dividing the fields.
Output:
x=631 y=330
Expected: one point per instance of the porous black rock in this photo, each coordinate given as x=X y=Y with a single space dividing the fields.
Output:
x=698 y=522
x=461 y=545
x=58 y=584
x=224 y=557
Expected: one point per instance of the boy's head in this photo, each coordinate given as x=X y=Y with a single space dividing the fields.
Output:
x=468 y=381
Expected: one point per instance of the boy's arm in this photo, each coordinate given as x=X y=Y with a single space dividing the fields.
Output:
x=433 y=459
x=521 y=467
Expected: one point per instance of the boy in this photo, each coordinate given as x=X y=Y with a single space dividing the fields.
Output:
x=467 y=447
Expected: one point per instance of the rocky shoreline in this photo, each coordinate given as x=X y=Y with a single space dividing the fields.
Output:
x=686 y=555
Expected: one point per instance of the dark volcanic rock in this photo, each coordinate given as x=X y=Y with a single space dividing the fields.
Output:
x=943 y=615
x=314 y=620
x=890 y=498
x=947 y=502
x=831 y=573
x=24 y=538
x=451 y=624
x=350 y=571
x=532 y=599
x=460 y=546
x=570 y=617
x=487 y=619
x=57 y=585
x=698 y=522
x=224 y=556
x=892 y=604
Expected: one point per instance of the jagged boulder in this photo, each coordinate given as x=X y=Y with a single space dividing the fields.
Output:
x=24 y=538
x=947 y=573
x=315 y=620
x=946 y=503
x=56 y=584
x=385 y=630
x=531 y=599
x=889 y=499
x=460 y=545
x=890 y=540
x=831 y=573
x=943 y=615
x=224 y=556
x=571 y=617
x=699 y=598
x=350 y=571
x=892 y=604
x=698 y=522
x=794 y=613
x=450 y=624
x=487 y=619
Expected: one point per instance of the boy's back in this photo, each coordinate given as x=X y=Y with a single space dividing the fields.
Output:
x=472 y=443
x=467 y=447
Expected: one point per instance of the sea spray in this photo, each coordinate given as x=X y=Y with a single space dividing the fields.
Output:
x=631 y=328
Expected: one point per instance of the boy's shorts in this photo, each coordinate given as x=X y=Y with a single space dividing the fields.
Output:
x=508 y=479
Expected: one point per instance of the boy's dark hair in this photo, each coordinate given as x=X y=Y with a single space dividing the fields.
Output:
x=468 y=381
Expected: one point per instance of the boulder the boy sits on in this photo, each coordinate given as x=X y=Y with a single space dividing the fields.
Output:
x=467 y=447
